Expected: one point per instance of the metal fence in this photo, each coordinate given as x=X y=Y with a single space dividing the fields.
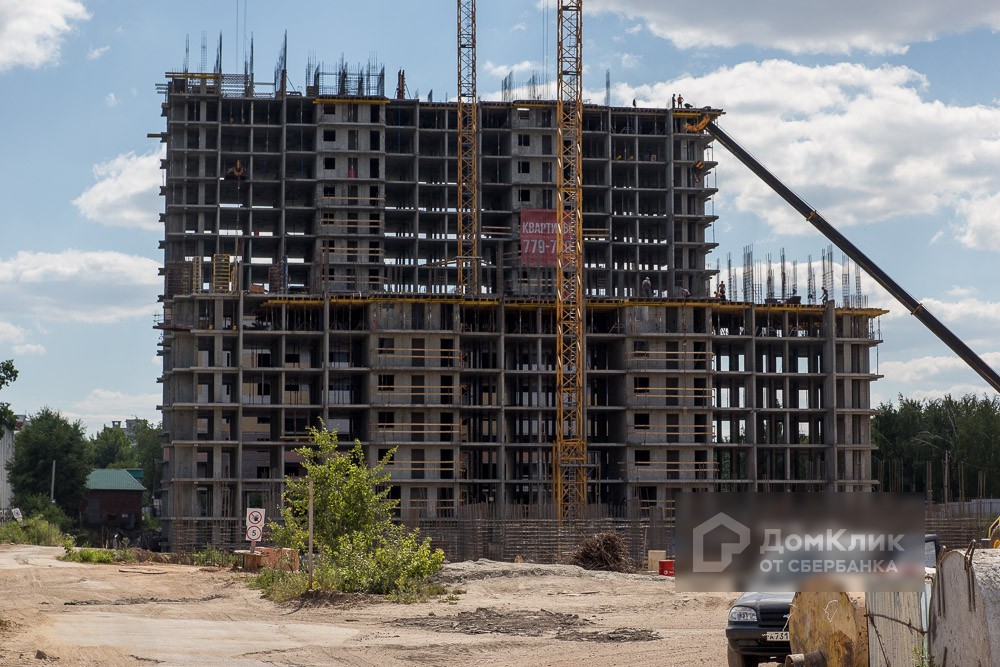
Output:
x=478 y=532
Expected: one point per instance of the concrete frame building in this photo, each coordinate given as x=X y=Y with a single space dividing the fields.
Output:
x=309 y=276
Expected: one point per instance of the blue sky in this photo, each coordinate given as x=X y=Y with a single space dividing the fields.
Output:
x=884 y=116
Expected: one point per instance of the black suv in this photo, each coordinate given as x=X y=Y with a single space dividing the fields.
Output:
x=758 y=629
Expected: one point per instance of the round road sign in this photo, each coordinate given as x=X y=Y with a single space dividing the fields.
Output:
x=253 y=533
x=255 y=517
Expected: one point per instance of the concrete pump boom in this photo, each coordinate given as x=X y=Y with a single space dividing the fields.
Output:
x=916 y=309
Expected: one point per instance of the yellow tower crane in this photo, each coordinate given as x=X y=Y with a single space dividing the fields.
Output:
x=570 y=449
x=468 y=154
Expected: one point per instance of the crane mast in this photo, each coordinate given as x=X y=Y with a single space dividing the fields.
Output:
x=570 y=449
x=468 y=154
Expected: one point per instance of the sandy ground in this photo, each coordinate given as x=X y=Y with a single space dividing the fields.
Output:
x=53 y=612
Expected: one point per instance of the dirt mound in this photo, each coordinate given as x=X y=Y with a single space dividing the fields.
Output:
x=454 y=573
x=477 y=570
x=616 y=635
x=566 y=627
x=331 y=599
x=484 y=620
x=128 y=601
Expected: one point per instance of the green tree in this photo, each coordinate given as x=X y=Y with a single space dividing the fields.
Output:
x=46 y=438
x=149 y=452
x=915 y=435
x=361 y=549
x=111 y=448
x=40 y=507
x=348 y=495
x=7 y=375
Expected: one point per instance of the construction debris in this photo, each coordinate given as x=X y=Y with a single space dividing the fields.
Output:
x=484 y=620
x=616 y=635
x=604 y=551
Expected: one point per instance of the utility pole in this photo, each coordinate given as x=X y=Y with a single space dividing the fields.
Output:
x=947 y=479
x=930 y=483
x=309 y=588
x=52 y=488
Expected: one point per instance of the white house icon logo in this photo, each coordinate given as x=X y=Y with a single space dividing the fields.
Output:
x=728 y=549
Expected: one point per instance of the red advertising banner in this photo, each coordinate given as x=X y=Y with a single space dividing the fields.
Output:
x=538 y=237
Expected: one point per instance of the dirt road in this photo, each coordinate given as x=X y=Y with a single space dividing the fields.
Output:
x=510 y=614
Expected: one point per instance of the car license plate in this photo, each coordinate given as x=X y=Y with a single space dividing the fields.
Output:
x=776 y=636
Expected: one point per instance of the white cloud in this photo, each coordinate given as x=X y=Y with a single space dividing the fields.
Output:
x=75 y=266
x=921 y=369
x=629 y=60
x=102 y=406
x=517 y=68
x=126 y=193
x=32 y=31
x=958 y=291
x=518 y=26
x=637 y=28
x=11 y=333
x=981 y=226
x=842 y=136
x=17 y=337
x=77 y=286
x=108 y=401
x=111 y=100
x=954 y=390
x=889 y=26
x=974 y=310
x=95 y=53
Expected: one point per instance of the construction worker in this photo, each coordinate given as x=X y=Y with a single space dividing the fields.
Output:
x=236 y=173
x=647 y=288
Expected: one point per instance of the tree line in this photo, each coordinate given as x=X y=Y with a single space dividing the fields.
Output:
x=950 y=446
x=49 y=436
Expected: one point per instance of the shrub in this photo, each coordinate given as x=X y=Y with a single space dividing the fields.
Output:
x=391 y=562
x=88 y=555
x=279 y=585
x=362 y=550
x=36 y=530
x=43 y=508
x=123 y=554
x=212 y=557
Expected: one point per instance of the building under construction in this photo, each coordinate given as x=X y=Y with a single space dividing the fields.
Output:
x=311 y=277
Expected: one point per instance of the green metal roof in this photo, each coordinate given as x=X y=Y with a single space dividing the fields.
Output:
x=113 y=479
